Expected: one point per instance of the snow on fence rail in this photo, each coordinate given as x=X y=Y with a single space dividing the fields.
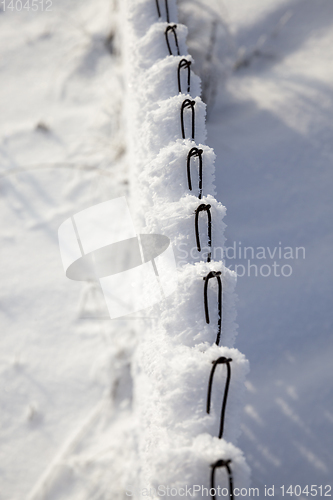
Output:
x=188 y=388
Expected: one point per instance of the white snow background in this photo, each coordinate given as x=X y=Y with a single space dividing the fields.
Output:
x=64 y=376
x=272 y=133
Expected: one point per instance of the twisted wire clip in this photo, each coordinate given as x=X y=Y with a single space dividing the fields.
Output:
x=217 y=275
x=205 y=208
x=184 y=63
x=187 y=104
x=226 y=464
x=195 y=152
x=220 y=361
x=172 y=28
x=166 y=8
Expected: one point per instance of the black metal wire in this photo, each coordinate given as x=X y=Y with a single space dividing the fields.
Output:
x=220 y=361
x=206 y=208
x=194 y=152
x=187 y=104
x=172 y=27
x=226 y=464
x=217 y=275
x=166 y=8
x=158 y=8
x=167 y=11
x=184 y=63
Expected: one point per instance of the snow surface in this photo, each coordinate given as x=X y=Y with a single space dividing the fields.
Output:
x=271 y=131
x=64 y=377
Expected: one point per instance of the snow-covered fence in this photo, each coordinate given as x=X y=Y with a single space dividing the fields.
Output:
x=187 y=388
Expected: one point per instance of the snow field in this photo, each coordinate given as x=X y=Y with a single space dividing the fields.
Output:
x=62 y=145
x=176 y=438
x=65 y=380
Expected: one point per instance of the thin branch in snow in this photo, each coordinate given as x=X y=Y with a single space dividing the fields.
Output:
x=247 y=55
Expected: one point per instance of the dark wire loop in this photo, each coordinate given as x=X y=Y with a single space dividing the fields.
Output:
x=187 y=104
x=220 y=361
x=217 y=275
x=172 y=27
x=202 y=208
x=226 y=464
x=184 y=63
x=195 y=152
x=166 y=9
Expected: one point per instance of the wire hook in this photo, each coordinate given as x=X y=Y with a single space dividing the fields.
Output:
x=217 y=275
x=187 y=104
x=220 y=361
x=195 y=152
x=184 y=63
x=226 y=464
x=172 y=28
x=166 y=8
x=206 y=208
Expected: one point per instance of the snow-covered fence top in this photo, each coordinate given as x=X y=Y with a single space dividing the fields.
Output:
x=188 y=378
